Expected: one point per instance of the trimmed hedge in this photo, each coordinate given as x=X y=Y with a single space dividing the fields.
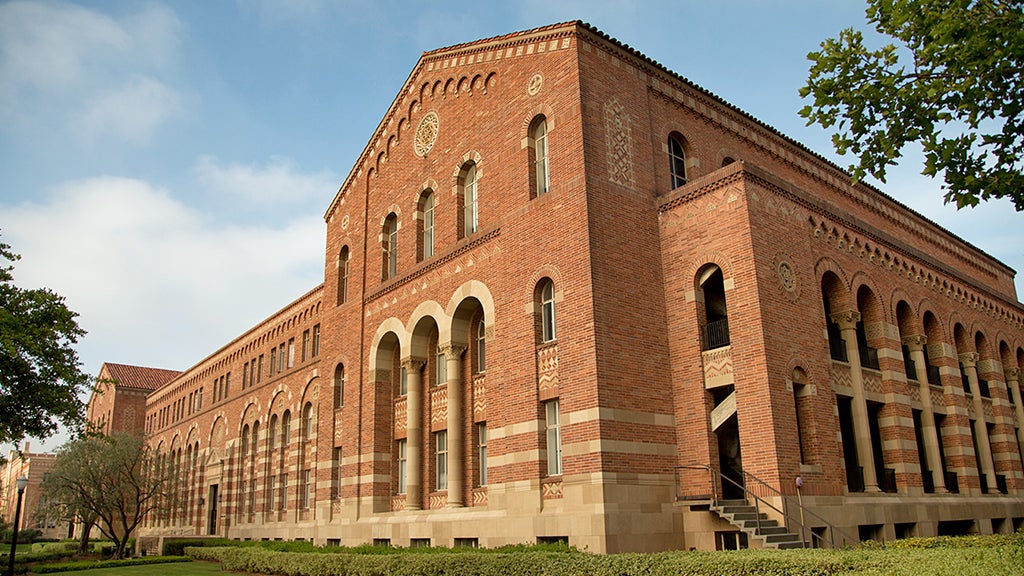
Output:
x=989 y=555
x=90 y=564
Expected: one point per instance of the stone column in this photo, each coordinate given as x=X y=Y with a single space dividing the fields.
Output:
x=970 y=367
x=1013 y=391
x=847 y=322
x=453 y=364
x=930 y=434
x=413 y=434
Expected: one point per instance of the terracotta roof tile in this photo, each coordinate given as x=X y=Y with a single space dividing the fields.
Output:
x=139 y=377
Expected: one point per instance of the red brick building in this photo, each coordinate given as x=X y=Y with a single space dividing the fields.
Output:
x=118 y=401
x=570 y=295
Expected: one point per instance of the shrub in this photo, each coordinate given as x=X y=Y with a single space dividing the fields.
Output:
x=90 y=564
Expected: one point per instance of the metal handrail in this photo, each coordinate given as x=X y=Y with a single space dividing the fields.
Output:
x=717 y=478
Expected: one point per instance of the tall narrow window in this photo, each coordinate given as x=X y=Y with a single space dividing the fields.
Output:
x=291 y=352
x=259 y=369
x=307 y=422
x=389 y=248
x=427 y=236
x=286 y=429
x=305 y=345
x=469 y=200
x=343 y=275
x=554 y=437
x=339 y=386
x=336 y=473
x=481 y=347
x=547 y=310
x=280 y=358
x=284 y=491
x=403 y=381
x=481 y=430
x=676 y=161
x=273 y=360
x=307 y=488
x=316 y=341
x=402 y=466
x=442 y=369
x=441 y=454
x=539 y=134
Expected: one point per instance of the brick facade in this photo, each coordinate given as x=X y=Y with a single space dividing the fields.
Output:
x=681 y=252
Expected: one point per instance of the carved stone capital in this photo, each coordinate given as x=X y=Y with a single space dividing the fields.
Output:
x=970 y=359
x=413 y=364
x=1012 y=374
x=846 y=320
x=915 y=341
x=451 y=350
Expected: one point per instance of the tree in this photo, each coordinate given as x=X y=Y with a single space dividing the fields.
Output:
x=40 y=375
x=960 y=95
x=112 y=480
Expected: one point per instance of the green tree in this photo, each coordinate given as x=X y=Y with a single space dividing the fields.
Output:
x=952 y=82
x=40 y=375
x=112 y=480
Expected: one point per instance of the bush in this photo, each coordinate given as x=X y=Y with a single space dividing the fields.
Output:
x=990 y=555
x=26 y=536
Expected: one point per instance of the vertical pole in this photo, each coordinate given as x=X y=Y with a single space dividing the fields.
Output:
x=14 y=539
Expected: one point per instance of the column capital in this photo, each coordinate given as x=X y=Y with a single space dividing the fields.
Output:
x=1012 y=374
x=970 y=359
x=411 y=363
x=451 y=350
x=846 y=320
x=915 y=341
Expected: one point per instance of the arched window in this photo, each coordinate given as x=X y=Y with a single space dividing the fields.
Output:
x=427 y=225
x=339 y=386
x=676 y=161
x=286 y=425
x=343 y=275
x=481 y=347
x=539 y=136
x=307 y=422
x=470 y=213
x=389 y=247
x=547 y=310
x=272 y=435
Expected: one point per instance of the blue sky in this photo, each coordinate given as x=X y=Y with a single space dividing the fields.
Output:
x=166 y=165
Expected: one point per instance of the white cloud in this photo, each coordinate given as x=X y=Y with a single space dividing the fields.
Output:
x=156 y=282
x=131 y=112
x=87 y=69
x=273 y=182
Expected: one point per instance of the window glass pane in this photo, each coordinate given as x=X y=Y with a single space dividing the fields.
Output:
x=470 y=199
x=540 y=144
x=677 y=162
x=481 y=347
x=442 y=460
x=548 y=311
x=428 y=226
x=554 y=438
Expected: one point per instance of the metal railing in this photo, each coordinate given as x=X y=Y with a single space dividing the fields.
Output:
x=793 y=512
x=715 y=334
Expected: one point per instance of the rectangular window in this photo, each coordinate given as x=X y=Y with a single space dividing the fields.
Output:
x=252 y=372
x=554 y=437
x=441 y=443
x=307 y=488
x=245 y=375
x=442 y=369
x=403 y=381
x=227 y=384
x=305 y=345
x=336 y=473
x=316 y=341
x=259 y=369
x=402 y=463
x=273 y=361
x=200 y=407
x=280 y=357
x=428 y=227
x=291 y=352
x=481 y=431
x=271 y=492
x=284 y=491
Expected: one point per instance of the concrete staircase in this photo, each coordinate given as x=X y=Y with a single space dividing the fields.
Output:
x=745 y=517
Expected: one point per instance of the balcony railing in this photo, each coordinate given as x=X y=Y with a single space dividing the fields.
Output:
x=715 y=334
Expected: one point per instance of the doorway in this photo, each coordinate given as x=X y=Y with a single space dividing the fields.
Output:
x=213 y=511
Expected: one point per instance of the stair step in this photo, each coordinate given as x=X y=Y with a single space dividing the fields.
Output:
x=792 y=545
x=779 y=538
x=751 y=524
x=766 y=530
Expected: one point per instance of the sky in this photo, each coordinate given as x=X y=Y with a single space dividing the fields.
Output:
x=166 y=166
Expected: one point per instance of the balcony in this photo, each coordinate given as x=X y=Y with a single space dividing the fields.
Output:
x=715 y=334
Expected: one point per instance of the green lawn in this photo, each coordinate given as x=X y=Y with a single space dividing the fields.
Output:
x=171 y=569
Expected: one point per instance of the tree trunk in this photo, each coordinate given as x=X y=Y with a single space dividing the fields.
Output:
x=83 y=538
